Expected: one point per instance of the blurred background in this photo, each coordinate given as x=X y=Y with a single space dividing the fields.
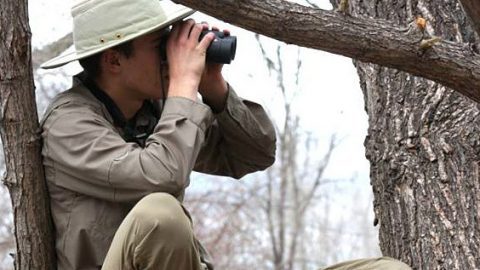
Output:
x=313 y=207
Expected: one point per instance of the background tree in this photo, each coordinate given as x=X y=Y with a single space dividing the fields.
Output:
x=292 y=183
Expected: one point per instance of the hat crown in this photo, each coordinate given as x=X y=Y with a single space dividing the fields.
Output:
x=102 y=24
x=97 y=23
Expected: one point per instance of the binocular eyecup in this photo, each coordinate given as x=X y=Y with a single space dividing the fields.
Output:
x=222 y=49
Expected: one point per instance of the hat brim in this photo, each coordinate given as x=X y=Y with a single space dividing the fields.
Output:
x=73 y=56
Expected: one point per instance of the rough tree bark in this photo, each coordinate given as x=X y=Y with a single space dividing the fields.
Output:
x=472 y=9
x=423 y=146
x=19 y=132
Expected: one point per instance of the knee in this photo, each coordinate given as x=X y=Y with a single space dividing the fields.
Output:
x=390 y=263
x=371 y=263
x=163 y=214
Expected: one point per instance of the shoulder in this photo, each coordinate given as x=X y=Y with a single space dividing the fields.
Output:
x=77 y=101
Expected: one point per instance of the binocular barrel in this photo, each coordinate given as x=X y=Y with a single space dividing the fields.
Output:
x=222 y=49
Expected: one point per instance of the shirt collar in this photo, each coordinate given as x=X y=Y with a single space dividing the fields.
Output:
x=136 y=129
x=117 y=115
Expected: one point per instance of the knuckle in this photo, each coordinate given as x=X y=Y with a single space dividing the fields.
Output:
x=198 y=27
x=182 y=42
x=201 y=51
x=178 y=42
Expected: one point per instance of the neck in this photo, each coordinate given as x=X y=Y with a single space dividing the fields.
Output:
x=128 y=104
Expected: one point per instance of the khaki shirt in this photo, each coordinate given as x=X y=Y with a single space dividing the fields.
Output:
x=95 y=177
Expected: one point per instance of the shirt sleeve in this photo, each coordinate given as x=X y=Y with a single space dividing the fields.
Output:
x=91 y=158
x=241 y=140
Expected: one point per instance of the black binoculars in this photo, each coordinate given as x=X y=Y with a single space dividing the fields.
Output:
x=222 y=49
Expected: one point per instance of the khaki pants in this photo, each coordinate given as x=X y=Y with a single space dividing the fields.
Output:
x=383 y=263
x=158 y=234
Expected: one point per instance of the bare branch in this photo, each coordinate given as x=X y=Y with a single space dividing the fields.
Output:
x=312 y=4
x=472 y=9
x=270 y=64
x=269 y=214
x=319 y=178
x=370 y=40
x=41 y=55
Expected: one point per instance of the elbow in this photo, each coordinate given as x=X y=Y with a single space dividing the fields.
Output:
x=266 y=158
x=269 y=153
x=270 y=148
x=166 y=180
x=170 y=182
x=163 y=175
x=267 y=161
x=179 y=180
x=261 y=162
x=175 y=177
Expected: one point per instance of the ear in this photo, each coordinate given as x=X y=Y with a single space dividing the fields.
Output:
x=111 y=61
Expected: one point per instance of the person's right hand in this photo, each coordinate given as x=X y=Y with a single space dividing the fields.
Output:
x=186 y=58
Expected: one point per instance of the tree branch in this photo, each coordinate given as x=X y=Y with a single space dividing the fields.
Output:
x=472 y=9
x=366 y=39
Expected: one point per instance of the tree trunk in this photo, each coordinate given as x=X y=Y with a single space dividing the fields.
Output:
x=423 y=144
x=19 y=132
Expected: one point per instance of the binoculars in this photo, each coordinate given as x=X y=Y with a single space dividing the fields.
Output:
x=222 y=49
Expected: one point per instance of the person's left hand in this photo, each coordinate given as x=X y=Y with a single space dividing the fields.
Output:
x=213 y=86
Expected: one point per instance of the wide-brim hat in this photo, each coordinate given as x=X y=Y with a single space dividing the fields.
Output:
x=102 y=24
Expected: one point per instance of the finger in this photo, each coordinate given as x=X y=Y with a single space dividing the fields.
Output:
x=226 y=32
x=186 y=29
x=205 y=42
x=196 y=30
x=175 y=30
x=205 y=23
x=215 y=28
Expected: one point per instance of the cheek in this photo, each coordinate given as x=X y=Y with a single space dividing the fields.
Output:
x=129 y=78
x=147 y=72
x=152 y=66
x=154 y=79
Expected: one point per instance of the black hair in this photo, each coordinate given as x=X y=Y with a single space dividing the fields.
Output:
x=91 y=64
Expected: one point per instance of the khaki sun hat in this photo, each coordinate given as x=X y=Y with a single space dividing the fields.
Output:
x=102 y=24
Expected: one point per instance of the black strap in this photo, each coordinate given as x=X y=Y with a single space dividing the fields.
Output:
x=132 y=131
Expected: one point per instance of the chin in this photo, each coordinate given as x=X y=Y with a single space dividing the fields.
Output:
x=153 y=94
x=156 y=97
x=152 y=98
